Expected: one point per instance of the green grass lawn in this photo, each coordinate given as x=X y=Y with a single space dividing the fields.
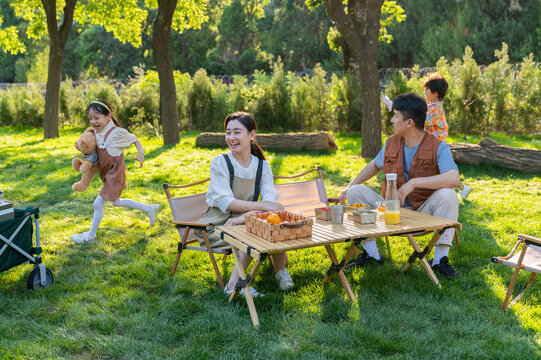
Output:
x=115 y=298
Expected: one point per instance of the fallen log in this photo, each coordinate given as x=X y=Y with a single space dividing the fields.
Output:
x=490 y=152
x=280 y=142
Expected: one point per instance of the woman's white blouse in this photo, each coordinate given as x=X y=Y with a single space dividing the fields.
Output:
x=118 y=140
x=219 y=193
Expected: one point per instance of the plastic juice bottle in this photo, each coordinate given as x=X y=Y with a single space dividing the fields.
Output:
x=392 y=203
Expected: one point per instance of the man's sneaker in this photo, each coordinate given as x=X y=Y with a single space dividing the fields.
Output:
x=362 y=260
x=444 y=268
x=465 y=192
x=284 y=280
x=241 y=293
x=82 y=238
x=153 y=214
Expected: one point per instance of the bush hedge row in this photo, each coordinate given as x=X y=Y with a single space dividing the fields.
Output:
x=499 y=97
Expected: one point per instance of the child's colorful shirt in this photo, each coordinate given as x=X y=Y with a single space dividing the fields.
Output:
x=435 y=122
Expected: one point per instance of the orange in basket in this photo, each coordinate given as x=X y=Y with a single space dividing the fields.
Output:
x=274 y=219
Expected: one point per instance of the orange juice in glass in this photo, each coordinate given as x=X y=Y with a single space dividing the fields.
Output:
x=392 y=217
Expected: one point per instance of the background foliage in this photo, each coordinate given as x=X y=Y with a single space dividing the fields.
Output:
x=286 y=29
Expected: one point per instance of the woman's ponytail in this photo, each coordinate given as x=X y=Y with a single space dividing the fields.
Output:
x=256 y=150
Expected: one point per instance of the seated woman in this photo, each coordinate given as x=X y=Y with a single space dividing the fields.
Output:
x=237 y=179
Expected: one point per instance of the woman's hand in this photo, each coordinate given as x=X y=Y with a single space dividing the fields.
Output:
x=239 y=220
x=271 y=206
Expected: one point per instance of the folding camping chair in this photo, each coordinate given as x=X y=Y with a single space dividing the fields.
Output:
x=529 y=259
x=187 y=210
x=16 y=247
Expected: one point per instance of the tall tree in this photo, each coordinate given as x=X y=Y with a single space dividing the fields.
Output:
x=123 y=18
x=359 y=24
x=178 y=16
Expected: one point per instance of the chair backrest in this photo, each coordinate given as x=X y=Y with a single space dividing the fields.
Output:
x=187 y=208
x=303 y=196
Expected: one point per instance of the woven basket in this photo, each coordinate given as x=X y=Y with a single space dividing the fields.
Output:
x=293 y=226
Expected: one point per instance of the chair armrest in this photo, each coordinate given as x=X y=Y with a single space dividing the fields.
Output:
x=508 y=256
x=530 y=239
x=190 y=224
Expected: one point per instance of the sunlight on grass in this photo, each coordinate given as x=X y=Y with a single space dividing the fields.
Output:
x=114 y=298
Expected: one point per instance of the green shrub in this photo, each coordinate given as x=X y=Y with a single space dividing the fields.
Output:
x=525 y=98
x=140 y=110
x=260 y=103
x=239 y=94
x=310 y=104
x=22 y=106
x=8 y=109
x=222 y=108
x=72 y=105
x=271 y=106
x=182 y=85
x=200 y=102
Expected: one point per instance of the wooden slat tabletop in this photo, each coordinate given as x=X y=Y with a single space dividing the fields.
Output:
x=324 y=232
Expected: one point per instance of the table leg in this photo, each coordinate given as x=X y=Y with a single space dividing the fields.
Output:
x=423 y=260
x=247 y=294
x=341 y=266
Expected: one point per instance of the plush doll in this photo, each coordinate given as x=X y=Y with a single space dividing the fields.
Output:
x=89 y=165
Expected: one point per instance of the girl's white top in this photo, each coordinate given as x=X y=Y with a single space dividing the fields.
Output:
x=219 y=193
x=118 y=140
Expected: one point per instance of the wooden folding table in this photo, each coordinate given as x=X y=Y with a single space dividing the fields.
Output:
x=324 y=233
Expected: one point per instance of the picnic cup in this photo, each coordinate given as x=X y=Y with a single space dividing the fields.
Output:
x=337 y=214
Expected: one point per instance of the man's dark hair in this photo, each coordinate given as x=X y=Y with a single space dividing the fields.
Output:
x=412 y=107
x=437 y=84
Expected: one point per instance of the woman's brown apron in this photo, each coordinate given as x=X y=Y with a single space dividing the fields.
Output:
x=112 y=172
x=243 y=189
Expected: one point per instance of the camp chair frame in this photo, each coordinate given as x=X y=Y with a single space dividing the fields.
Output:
x=530 y=244
x=185 y=226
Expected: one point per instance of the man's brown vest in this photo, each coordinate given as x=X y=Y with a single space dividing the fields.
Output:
x=424 y=164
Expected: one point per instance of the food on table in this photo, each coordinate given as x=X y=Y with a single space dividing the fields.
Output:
x=357 y=205
x=274 y=219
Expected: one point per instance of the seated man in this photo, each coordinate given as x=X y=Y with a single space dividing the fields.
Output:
x=427 y=176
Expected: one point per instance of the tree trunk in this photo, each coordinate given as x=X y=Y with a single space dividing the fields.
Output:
x=58 y=38
x=162 y=57
x=360 y=30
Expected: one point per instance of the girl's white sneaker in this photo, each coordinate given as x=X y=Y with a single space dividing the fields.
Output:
x=82 y=238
